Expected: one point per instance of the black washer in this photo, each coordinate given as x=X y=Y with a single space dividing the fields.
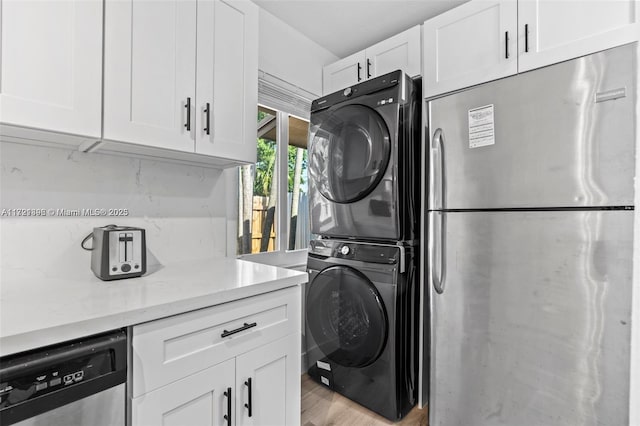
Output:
x=346 y=316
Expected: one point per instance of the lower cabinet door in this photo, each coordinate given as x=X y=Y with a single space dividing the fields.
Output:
x=200 y=399
x=268 y=383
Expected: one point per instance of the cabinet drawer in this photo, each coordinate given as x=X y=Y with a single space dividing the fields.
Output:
x=171 y=348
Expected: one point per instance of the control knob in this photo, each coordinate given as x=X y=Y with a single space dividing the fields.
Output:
x=348 y=91
x=345 y=250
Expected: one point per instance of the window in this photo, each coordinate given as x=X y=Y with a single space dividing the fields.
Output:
x=264 y=188
x=298 y=201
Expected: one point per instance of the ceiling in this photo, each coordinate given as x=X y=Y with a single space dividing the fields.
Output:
x=347 y=26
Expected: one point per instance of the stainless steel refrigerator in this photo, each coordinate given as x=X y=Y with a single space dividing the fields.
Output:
x=530 y=224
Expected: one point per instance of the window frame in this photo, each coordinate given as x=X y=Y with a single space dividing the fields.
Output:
x=281 y=255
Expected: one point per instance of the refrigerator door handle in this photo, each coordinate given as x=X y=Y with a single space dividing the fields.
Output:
x=437 y=190
x=436 y=247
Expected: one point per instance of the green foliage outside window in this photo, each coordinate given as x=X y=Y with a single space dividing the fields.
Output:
x=265 y=165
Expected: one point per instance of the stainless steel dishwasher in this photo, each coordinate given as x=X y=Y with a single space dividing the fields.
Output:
x=81 y=382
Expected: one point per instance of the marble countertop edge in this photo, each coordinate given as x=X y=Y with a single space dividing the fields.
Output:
x=39 y=332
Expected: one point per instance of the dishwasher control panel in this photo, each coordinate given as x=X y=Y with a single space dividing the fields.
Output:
x=37 y=381
x=22 y=387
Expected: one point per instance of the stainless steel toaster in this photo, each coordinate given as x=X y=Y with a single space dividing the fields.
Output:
x=118 y=252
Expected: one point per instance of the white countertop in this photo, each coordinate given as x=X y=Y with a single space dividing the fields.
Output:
x=38 y=309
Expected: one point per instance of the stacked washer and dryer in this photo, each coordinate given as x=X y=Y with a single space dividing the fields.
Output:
x=362 y=299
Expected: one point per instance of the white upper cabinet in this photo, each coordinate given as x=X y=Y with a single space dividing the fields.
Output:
x=401 y=51
x=552 y=31
x=182 y=75
x=51 y=56
x=343 y=73
x=483 y=40
x=227 y=79
x=149 y=78
x=470 y=44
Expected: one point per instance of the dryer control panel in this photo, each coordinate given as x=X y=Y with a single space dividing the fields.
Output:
x=362 y=252
x=391 y=87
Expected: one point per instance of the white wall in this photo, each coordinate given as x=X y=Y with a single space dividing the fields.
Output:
x=182 y=208
x=289 y=55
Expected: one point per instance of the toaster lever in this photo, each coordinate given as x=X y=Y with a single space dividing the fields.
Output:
x=126 y=247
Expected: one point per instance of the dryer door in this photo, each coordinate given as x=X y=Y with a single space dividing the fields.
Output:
x=346 y=316
x=349 y=153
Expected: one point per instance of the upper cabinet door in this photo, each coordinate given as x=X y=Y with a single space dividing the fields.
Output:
x=227 y=79
x=468 y=45
x=52 y=65
x=344 y=73
x=401 y=51
x=553 y=31
x=149 y=72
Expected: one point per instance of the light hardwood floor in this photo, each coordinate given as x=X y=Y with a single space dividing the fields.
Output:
x=323 y=407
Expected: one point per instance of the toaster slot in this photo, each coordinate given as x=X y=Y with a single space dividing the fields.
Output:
x=125 y=247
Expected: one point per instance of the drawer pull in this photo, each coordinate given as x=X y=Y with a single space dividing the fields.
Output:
x=246 y=326
x=227 y=416
x=248 y=406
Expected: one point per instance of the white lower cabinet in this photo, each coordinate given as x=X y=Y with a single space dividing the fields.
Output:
x=261 y=387
x=271 y=375
x=200 y=399
x=185 y=367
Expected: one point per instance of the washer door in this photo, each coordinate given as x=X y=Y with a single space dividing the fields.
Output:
x=346 y=316
x=349 y=153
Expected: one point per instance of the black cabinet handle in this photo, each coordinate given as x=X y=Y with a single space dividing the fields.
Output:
x=246 y=326
x=359 y=68
x=368 y=68
x=187 y=125
x=248 y=406
x=227 y=416
x=506 y=44
x=207 y=113
x=526 y=38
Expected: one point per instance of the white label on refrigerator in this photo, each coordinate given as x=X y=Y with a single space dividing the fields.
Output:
x=481 y=127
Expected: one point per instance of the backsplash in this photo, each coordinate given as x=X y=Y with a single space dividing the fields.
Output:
x=182 y=207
